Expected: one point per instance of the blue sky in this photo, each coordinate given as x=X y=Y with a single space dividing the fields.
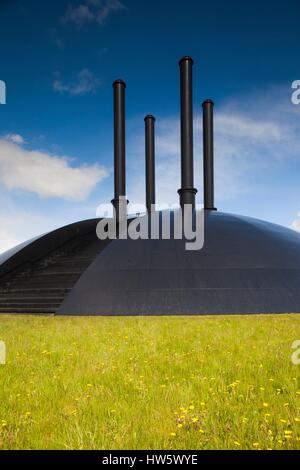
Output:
x=58 y=60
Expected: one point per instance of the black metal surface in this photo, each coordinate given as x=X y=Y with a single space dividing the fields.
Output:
x=119 y=144
x=43 y=245
x=208 y=154
x=150 y=161
x=187 y=191
x=246 y=266
x=37 y=277
x=10 y=253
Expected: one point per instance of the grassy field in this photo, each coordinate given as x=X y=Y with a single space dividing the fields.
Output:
x=156 y=383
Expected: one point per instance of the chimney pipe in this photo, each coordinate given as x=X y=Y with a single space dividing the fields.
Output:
x=187 y=192
x=208 y=154
x=119 y=202
x=150 y=161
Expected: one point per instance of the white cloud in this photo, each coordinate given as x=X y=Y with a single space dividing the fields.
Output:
x=16 y=138
x=91 y=11
x=46 y=175
x=296 y=224
x=18 y=226
x=85 y=82
x=78 y=15
x=238 y=125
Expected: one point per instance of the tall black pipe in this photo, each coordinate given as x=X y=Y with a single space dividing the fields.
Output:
x=119 y=145
x=187 y=192
x=150 y=161
x=208 y=154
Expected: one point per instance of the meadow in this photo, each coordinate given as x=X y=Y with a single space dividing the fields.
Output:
x=208 y=382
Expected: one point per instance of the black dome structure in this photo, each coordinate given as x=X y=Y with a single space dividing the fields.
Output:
x=245 y=266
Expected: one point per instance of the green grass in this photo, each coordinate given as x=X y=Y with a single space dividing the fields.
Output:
x=150 y=383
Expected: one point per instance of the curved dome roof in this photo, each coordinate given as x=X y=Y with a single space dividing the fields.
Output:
x=246 y=266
